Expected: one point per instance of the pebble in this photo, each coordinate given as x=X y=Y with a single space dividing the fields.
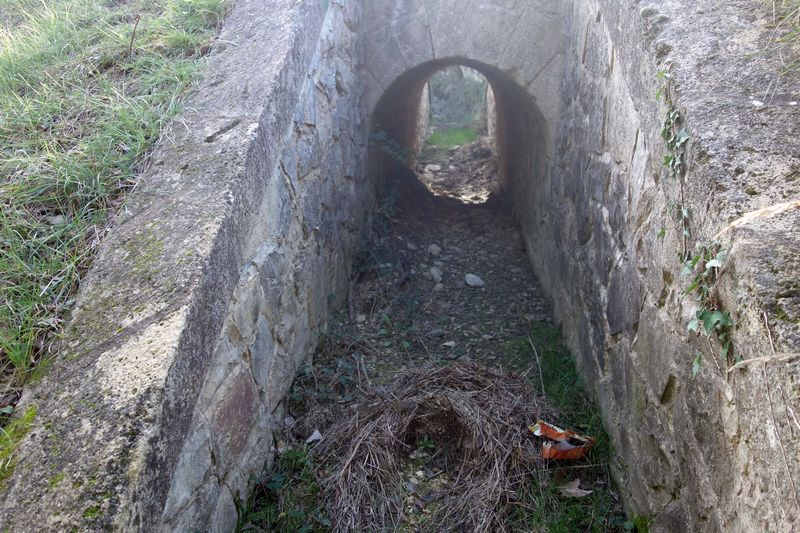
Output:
x=438 y=287
x=411 y=246
x=433 y=168
x=434 y=249
x=449 y=344
x=473 y=281
x=57 y=220
x=315 y=437
x=436 y=274
x=439 y=263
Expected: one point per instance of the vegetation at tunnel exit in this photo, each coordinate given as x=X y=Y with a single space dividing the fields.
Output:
x=450 y=137
x=85 y=89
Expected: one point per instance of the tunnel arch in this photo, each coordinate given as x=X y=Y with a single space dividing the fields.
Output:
x=523 y=139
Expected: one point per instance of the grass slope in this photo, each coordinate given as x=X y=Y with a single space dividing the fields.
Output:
x=82 y=101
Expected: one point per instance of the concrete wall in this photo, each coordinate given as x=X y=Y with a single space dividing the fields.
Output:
x=210 y=289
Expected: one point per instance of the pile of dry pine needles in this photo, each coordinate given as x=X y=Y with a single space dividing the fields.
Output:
x=477 y=417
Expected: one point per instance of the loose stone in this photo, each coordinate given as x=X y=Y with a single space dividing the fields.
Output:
x=434 y=249
x=473 y=281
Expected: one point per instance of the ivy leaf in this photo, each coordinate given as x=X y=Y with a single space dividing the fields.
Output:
x=694 y=325
x=711 y=319
x=726 y=348
x=697 y=364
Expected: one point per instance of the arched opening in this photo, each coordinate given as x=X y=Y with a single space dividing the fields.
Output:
x=516 y=128
x=457 y=153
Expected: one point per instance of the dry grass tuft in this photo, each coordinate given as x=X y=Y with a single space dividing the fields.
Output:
x=476 y=416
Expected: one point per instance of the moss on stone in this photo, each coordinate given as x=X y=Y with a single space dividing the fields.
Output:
x=56 y=480
x=10 y=439
x=93 y=511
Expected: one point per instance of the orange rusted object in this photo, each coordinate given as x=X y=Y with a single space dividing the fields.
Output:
x=563 y=443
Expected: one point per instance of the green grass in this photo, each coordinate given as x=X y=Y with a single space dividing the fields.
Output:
x=78 y=116
x=786 y=20
x=450 y=137
x=543 y=508
x=10 y=437
x=288 y=501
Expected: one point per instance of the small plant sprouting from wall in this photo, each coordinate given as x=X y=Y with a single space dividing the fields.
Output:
x=676 y=137
x=704 y=267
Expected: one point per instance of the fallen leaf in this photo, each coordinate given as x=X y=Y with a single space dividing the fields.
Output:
x=573 y=490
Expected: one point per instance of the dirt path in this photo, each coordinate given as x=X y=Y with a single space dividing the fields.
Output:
x=435 y=288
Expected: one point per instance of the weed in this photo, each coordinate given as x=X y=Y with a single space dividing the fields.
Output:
x=786 y=24
x=82 y=101
x=288 y=500
x=704 y=267
x=541 y=507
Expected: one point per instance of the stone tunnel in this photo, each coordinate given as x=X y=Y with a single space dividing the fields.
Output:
x=217 y=279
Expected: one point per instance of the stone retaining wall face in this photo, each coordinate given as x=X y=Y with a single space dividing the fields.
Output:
x=210 y=289
x=715 y=452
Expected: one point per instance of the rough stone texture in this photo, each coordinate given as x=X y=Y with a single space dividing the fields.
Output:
x=715 y=452
x=216 y=279
x=210 y=289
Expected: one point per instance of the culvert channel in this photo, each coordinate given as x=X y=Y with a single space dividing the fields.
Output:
x=215 y=282
x=442 y=287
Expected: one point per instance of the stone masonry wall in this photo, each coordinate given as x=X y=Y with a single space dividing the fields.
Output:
x=210 y=289
x=718 y=451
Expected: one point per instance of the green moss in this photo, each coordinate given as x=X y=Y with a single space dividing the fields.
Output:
x=91 y=512
x=56 y=480
x=783 y=316
x=10 y=438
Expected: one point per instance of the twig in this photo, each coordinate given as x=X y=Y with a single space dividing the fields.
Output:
x=133 y=35
x=790 y=415
x=538 y=364
x=769 y=332
x=772 y=414
x=714 y=357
